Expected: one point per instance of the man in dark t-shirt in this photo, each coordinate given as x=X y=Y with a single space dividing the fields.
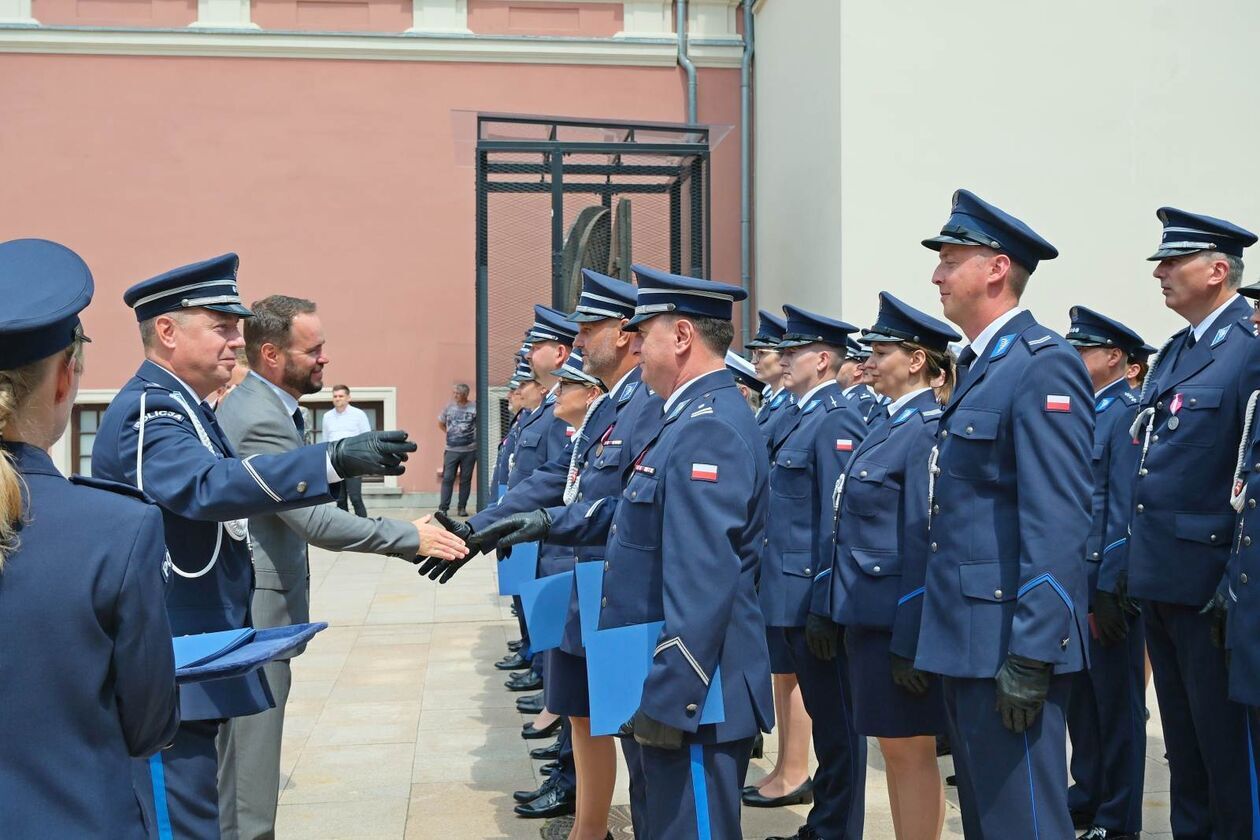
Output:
x=459 y=421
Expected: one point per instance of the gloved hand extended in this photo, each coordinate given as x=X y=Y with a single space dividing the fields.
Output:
x=435 y=568
x=531 y=526
x=371 y=453
x=1022 y=686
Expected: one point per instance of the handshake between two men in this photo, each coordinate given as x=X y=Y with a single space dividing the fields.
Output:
x=530 y=526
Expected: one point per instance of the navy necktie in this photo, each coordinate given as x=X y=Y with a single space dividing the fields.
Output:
x=299 y=421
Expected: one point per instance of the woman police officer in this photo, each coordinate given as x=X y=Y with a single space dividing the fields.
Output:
x=87 y=674
x=880 y=555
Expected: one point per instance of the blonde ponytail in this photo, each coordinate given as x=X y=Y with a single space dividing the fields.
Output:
x=15 y=386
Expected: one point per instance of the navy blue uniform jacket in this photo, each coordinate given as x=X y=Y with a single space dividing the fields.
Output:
x=87 y=675
x=198 y=488
x=1010 y=513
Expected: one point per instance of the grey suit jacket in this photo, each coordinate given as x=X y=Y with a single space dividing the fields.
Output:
x=256 y=422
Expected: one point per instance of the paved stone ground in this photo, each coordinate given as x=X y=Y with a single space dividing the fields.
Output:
x=398 y=726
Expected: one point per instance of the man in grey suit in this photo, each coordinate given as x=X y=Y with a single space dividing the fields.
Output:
x=285 y=344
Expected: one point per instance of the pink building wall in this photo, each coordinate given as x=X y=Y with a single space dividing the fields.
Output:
x=333 y=180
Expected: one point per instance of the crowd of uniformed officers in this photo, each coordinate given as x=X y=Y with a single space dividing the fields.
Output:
x=980 y=541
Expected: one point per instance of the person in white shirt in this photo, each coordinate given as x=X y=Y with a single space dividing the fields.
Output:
x=342 y=421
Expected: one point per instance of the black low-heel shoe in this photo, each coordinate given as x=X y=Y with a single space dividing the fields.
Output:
x=529 y=733
x=759 y=746
x=803 y=795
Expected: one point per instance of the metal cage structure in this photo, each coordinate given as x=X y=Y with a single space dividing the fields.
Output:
x=555 y=195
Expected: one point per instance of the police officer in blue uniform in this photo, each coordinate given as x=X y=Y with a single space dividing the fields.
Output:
x=746 y=380
x=684 y=537
x=1004 y=609
x=87 y=677
x=880 y=558
x=859 y=391
x=808 y=453
x=159 y=436
x=1139 y=364
x=1189 y=424
x=1107 y=708
x=1243 y=616
x=765 y=356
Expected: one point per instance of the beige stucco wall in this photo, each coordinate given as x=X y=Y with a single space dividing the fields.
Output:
x=1081 y=117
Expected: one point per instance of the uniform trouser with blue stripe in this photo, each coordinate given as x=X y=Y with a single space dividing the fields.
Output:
x=1204 y=731
x=840 y=780
x=1009 y=785
x=633 y=755
x=1107 y=724
x=179 y=787
x=691 y=793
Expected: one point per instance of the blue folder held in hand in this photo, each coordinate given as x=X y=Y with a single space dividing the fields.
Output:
x=520 y=566
x=617 y=664
x=590 y=587
x=235 y=653
x=546 y=603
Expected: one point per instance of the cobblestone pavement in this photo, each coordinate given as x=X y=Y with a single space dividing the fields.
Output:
x=398 y=726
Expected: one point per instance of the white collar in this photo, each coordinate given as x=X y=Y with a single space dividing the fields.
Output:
x=622 y=381
x=678 y=392
x=1206 y=324
x=286 y=399
x=804 y=401
x=182 y=384
x=893 y=408
x=1098 y=393
x=990 y=332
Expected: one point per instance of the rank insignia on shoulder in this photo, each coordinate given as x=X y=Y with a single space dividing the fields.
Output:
x=834 y=404
x=1058 y=402
x=1220 y=336
x=702 y=411
x=936 y=412
x=904 y=416
x=844 y=445
x=1038 y=341
x=1129 y=398
x=704 y=472
x=1002 y=347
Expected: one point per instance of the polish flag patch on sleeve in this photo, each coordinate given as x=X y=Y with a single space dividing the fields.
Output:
x=704 y=472
x=1058 y=402
x=844 y=445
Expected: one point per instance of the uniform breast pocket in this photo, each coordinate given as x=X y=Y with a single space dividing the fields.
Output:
x=1197 y=421
x=971 y=448
x=529 y=440
x=640 y=524
x=608 y=458
x=791 y=476
x=870 y=488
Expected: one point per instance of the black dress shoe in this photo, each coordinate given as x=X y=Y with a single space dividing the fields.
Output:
x=554 y=803
x=462 y=513
x=515 y=612
x=531 y=705
x=527 y=795
x=547 y=753
x=1082 y=820
x=529 y=732
x=515 y=645
x=951 y=780
x=803 y=795
x=549 y=769
x=512 y=662
x=1097 y=832
x=524 y=681
x=802 y=833
x=759 y=746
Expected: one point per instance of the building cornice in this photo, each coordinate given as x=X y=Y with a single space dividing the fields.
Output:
x=412 y=46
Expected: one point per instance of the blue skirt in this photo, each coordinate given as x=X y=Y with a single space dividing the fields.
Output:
x=565 y=692
x=780 y=653
x=880 y=707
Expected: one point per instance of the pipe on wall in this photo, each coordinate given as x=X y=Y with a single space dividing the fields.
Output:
x=684 y=60
x=745 y=173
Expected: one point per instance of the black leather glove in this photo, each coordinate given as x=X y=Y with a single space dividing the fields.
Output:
x=1110 y=618
x=441 y=570
x=1217 y=610
x=822 y=636
x=908 y=677
x=531 y=526
x=652 y=733
x=1022 y=685
x=371 y=453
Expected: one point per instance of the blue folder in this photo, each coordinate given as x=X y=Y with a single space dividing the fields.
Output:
x=264 y=646
x=502 y=491
x=546 y=602
x=200 y=648
x=617 y=664
x=521 y=566
x=590 y=586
